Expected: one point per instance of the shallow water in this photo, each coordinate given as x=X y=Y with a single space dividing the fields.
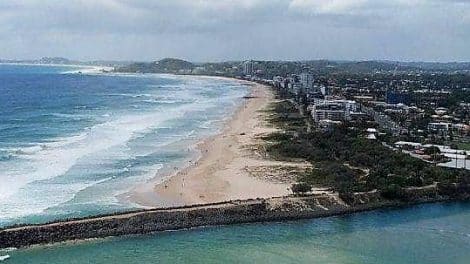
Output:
x=71 y=143
x=433 y=233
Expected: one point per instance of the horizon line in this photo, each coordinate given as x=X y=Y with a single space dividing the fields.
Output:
x=241 y=60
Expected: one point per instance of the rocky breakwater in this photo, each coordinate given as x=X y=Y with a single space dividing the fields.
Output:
x=232 y=212
x=147 y=221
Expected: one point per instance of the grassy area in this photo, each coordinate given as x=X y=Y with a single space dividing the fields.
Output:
x=464 y=146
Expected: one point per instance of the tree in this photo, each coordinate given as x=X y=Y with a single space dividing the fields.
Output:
x=300 y=188
x=432 y=150
x=393 y=191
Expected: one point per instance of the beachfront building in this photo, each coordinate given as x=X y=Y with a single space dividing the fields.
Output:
x=439 y=128
x=330 y=111
x=335 y=110
x=327 y=124
x=248 y=68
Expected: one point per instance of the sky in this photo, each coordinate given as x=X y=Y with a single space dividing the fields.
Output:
x=219 y=30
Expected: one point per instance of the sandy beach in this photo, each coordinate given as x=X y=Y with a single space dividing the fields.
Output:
x=229 y=167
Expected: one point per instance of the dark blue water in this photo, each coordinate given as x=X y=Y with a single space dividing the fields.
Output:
x=71 y=143
x=425 y=234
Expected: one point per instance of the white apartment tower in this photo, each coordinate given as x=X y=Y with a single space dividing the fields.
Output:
x=306 y=79
x=248 y=67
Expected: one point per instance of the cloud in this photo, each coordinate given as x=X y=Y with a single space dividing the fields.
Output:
x=227 y=29
x=329 y=7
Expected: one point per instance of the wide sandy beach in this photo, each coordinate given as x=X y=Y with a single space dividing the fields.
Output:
x=229 y=167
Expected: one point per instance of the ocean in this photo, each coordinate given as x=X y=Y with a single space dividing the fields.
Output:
x=423 y=234
x=71 y=143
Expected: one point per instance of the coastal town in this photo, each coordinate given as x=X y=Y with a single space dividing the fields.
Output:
x=363 y=126
x=423 y=110
x=430 y=123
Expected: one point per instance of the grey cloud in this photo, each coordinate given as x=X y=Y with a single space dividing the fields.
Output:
x=226 y=29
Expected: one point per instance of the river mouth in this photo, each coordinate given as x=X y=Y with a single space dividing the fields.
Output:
x=429 y=233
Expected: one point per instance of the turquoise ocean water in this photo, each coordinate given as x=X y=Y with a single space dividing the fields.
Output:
x=425 y=234
x=71 y=143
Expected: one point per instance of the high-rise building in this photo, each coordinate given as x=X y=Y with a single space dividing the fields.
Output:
x=324 y=90
x=248 y=68
x=306 y=79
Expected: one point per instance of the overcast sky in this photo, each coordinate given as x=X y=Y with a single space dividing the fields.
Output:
x=215 y=30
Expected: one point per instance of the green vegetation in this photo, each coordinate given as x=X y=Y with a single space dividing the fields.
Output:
x=301 y=187
x=463 y=145
x=345 y=161
x=432 y=150
x=162 y=66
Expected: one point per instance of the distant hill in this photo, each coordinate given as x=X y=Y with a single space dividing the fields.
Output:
x=55 y=60
x=168 y=65
x=174 y=65
x=264 y=69
x=444 y=66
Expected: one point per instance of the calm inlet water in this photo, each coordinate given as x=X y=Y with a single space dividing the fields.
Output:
x=425 y=234
x=71 y=143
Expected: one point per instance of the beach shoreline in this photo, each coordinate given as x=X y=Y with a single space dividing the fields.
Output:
x=220 y=170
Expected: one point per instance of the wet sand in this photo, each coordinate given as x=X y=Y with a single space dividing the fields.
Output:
x=224 y=170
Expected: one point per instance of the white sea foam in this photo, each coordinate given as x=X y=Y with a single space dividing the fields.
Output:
x=56 y=158
x=45 y=196
x=114 y=189
x=29 y=186
x=27 y=150
x=36 y=148
x=88 y=70
x=130 y=95
x=53 y=159
x=9 y=249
